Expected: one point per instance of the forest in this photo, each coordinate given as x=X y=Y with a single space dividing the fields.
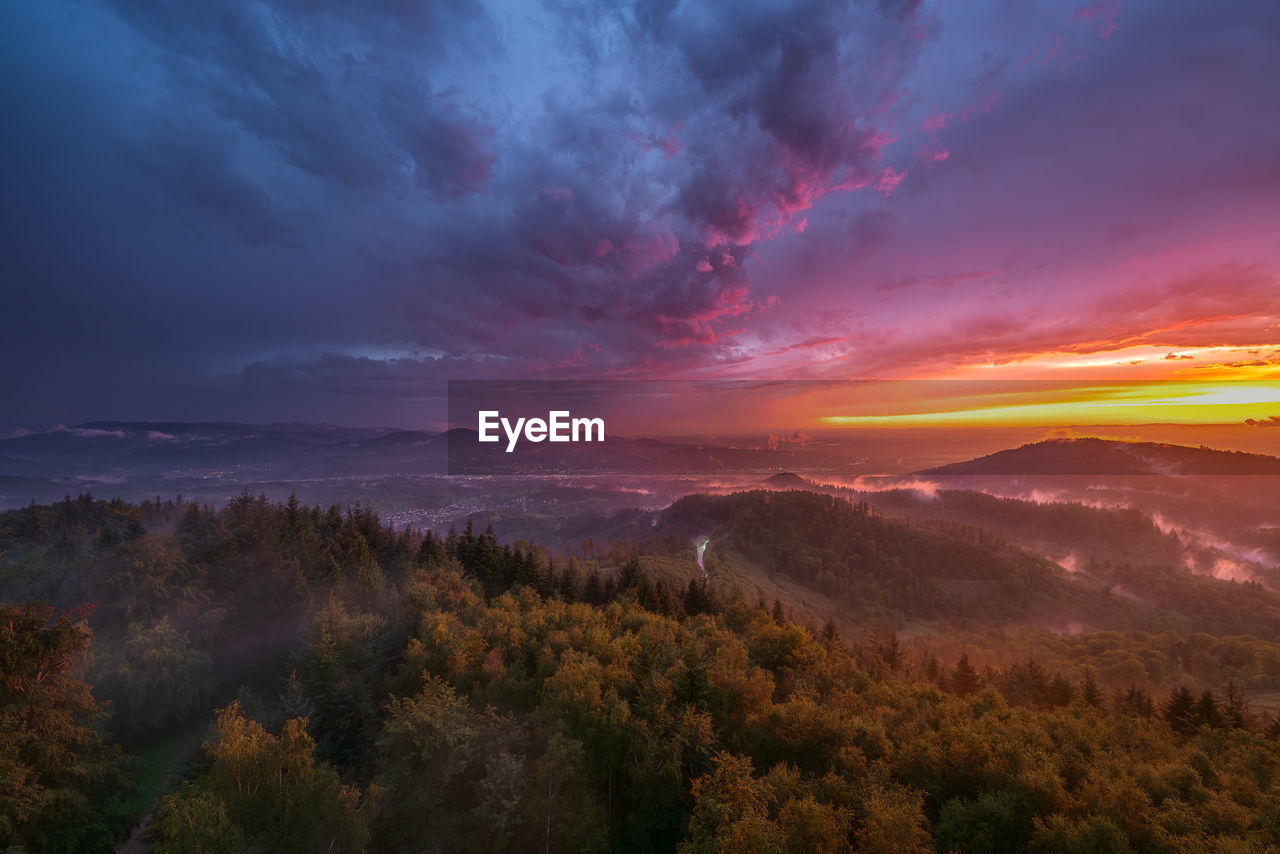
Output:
x=266 y=677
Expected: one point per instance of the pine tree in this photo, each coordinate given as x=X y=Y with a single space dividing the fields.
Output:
x=1207 y=712
x=1090 y=693
x=593 y=591
x=964 y=679
x=830 y=634
x=695 y=597
x=567 y=584
x=629 y=575
x=1235 y=709
x=888 y=650
x=522 y=567
x=1135 y=701
x=1060 y=692
x=291 y=525
x=134 y=530
x=107 y=539
x=1180 y=709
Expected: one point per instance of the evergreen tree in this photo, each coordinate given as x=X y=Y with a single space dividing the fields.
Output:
x=593 y=592
x=964 y=679
x=567 y=585
x=1207 y=712
x=695 y=597
x=1090 y=693
x=1135 y=701
x=1235 y=709
x=134 y=530
x=429 y=551
x=1180 y=709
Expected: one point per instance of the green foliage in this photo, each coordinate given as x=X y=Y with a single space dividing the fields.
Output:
x=264 y=793
x=869 y=564
x=1061 y=835
x=157 y=678
x=345 y=647
x=779 y=740
x=731 y=811
x=468 y=695
x=997 y=822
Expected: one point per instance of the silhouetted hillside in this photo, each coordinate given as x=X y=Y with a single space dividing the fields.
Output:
x=1111 y=457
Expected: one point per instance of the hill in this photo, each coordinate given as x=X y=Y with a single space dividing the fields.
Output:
x=847 y=561
x=786 y=480
x=1112 y=457
x=866 y=563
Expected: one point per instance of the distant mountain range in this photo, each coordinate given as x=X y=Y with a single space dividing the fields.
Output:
x=1111 y=457
x=297 y=450
x=155 y=447
x=99 y=448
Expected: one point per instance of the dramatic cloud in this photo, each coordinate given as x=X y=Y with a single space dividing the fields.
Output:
x=293 y=208
x=1226 y=306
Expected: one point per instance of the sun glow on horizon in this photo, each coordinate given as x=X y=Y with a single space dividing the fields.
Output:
x=1170 y=402
x=1143 y=362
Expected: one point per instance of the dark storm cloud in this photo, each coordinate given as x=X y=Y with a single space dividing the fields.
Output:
x=631 y=203
x=606 y=225
x=795 y=92
x=730 y=123
x=199 y=169
x=342 y=90
x=256 y=202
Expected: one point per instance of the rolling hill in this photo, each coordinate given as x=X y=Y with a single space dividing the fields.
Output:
x=1111 y=457
x=847 y=559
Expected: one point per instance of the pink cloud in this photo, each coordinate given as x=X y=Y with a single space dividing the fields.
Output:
x=698 y=326
x=1102 y=13
x=88 y=432
x=641 y=253
x=881 y=139
x=797 y=439
x=889 y=180
x=800 y=174
x=670 y=145
x=980 y=105
x=935 y=154
x=1225 y=304
x=811 y=344
x=576 y=359
x=935 y=123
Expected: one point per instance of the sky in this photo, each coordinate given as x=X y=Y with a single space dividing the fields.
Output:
x=301 y=210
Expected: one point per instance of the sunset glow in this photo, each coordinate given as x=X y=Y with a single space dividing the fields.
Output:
x=674 y=426
x=367 y=205
x=1173 y=403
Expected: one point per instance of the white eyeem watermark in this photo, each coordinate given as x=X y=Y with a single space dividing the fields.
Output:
x=559 y=426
